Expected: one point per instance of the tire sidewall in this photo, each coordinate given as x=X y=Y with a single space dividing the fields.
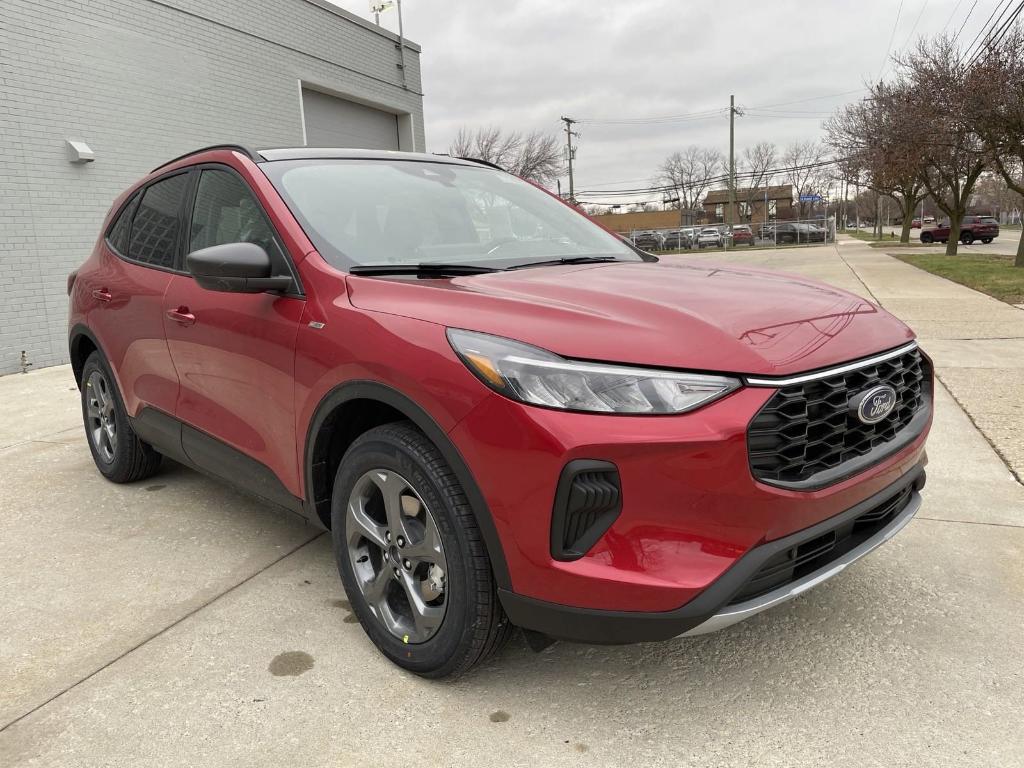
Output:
x=444 y=648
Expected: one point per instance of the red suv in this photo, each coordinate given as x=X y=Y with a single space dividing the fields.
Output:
x=505 y=415
x=984 y=228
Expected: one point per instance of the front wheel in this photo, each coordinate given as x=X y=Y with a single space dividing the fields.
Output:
x=967 y=238
x=986 y=240
x=926 y=237
x=120 y=455
x=411 y=555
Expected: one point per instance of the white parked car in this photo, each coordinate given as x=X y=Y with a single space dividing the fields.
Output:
x=709 y=237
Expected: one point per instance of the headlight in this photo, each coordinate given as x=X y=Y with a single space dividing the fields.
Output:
x=533 y=375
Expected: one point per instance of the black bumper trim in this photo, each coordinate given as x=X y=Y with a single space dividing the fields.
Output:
x=590 y=625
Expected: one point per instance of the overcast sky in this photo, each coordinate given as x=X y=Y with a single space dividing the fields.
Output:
x=521 y=64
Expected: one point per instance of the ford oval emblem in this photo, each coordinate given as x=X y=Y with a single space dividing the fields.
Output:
x=875 y=404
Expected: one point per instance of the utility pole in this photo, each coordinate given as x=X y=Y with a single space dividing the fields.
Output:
x=570 y=154
x=732 y=159
x=732 y=163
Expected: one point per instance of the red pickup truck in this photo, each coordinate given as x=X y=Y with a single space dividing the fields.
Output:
x=984 y=228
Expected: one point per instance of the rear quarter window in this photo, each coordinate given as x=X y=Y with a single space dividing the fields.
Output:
x=156 y=227
x=120 y=230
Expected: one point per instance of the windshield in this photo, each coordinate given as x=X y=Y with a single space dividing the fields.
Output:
x=360 y=212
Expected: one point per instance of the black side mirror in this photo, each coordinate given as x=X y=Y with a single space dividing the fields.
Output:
x=234 y=268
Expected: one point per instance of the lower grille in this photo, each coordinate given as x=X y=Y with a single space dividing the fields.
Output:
x=587 y=501
x=816 y=553
x=808 y=431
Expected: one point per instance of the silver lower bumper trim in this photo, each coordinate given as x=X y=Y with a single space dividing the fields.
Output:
x=735 y=613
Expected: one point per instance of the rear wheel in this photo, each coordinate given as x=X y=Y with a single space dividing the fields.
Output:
x=986 y=240
x=411 y=556
x=967 y=238
x=119 y=454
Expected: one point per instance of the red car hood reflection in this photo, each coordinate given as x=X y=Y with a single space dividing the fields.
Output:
x=678 y=314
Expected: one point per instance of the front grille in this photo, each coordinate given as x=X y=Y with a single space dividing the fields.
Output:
x=808 y=429
x=813 y=554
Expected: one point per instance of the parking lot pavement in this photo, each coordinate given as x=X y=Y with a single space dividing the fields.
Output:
x=175 y=622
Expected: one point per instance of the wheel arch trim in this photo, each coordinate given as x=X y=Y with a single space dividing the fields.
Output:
x=75 y=335
x=375 y=390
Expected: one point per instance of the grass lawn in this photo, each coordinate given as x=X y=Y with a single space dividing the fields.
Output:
x=989 y=273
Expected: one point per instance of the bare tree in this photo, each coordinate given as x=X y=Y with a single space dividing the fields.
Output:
x=998 y=114
x=803 y=161
x=877 y=147
x=690 y=174
x=535 y=156
x=932 y=95
x=757 y=166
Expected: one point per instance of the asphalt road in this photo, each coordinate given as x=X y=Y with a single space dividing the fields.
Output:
x=178 y=623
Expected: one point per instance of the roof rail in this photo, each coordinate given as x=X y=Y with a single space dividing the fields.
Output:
x=249 y=152
x=488 y=163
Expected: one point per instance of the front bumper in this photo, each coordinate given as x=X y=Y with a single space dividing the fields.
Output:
x=714 y=609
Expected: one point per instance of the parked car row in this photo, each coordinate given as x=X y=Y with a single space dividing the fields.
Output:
x=693 y=237
x=794 y=232
x=724 y=235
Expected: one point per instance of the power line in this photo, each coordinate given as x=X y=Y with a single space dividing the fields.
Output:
x=812 y=98
x=654 y=120
x=711 y=180
x=916 y=22
x=955 y=9
x=987 y=27
x=966 y=19
x=992 y=39
x=892 y=37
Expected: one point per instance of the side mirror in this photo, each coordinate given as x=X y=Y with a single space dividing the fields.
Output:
x=234 y=268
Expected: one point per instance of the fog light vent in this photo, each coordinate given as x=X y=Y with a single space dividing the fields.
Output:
x=587 y=501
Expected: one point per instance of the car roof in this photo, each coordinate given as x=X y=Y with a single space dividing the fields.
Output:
x=344 y=153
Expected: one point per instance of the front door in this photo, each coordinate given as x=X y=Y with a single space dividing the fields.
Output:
x=234 y=352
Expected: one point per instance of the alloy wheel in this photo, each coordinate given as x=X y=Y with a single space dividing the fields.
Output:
x=397 y=556
x=101 y=417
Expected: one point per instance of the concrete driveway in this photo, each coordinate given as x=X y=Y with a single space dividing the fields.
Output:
x=175 y=622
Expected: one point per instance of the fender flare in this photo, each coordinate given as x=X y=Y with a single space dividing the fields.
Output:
x=374 y=390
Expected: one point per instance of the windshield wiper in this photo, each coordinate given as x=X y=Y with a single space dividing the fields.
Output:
x=567 y=260
x=427 y=269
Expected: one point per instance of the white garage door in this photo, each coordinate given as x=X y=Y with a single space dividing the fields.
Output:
x=335 y=122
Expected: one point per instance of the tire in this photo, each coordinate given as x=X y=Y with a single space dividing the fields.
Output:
x=967 y=238
x=460 y=622
x=926 y=237
x=986 y=240
x=119 y=454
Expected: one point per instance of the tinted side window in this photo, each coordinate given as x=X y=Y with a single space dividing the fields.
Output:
x=118 y=234
x=157 y=223
x=226 y=211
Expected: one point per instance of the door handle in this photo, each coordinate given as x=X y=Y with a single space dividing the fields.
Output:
x=102 y=294
x=181 y=316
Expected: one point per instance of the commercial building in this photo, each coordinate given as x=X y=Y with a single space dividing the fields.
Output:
x=94 y=95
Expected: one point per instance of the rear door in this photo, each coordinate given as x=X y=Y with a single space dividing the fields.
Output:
x=235 y=353
x=128 y=290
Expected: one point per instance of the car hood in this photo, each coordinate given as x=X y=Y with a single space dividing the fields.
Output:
x=676 y=314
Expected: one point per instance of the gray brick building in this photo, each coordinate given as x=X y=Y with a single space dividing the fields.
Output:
x=141 y=81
